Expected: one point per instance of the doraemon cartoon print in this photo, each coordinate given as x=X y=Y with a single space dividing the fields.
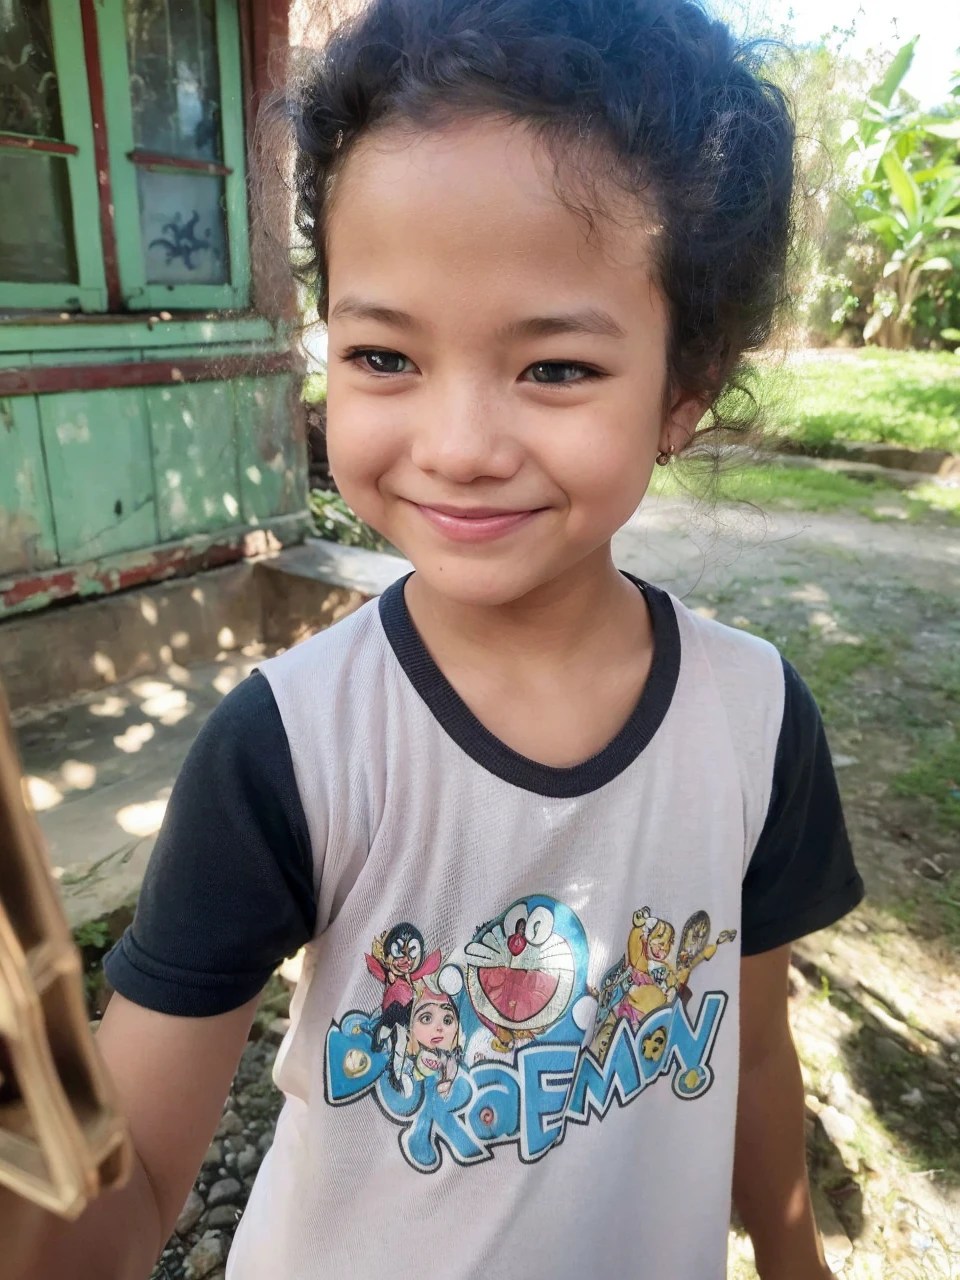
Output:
x=504 y=1042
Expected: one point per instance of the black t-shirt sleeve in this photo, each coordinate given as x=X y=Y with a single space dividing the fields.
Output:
x=229 y=889
x=801 y=876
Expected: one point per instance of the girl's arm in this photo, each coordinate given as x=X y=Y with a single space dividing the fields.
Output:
x=171 y=1076
x=770 y=1185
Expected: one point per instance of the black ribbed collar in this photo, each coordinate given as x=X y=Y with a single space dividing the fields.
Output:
x=456 y=718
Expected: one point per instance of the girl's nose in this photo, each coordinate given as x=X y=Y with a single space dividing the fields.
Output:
x=462 y=435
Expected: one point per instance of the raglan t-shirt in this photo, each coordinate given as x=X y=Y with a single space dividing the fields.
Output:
x=514 y=1046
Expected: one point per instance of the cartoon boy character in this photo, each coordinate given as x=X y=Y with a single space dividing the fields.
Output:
x=398 y=962
x=433 y=1039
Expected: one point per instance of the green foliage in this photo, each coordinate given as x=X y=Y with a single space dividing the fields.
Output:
x=903 y=397
x=94 y=934
x=314 y=387
x=335 y=521
x=907 y=196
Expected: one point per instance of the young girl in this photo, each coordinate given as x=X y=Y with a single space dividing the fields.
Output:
x=544 y=235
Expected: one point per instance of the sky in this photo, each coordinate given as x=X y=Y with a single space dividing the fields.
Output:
x=879 y=24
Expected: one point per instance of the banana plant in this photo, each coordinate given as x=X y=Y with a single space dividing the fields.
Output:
x=907 y=194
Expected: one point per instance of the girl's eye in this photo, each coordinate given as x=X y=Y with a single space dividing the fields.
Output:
x=381 y=362
x=554 y=373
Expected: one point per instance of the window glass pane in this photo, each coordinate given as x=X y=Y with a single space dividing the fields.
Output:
x=174 y=77
x=183 y=227
x=29 y=100
x=36 y=235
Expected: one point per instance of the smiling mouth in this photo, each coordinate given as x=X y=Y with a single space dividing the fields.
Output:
x=476 y=524
x=518 y=994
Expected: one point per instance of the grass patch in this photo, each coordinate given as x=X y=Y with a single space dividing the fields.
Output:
x=770 y=486
x=829 y=667
x=936 y=775
x=910 y=398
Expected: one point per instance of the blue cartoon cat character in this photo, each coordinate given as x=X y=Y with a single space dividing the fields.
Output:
x=526 y=976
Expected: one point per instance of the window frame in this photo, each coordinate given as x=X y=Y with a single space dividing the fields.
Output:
x=89 y=291
x=137 y=293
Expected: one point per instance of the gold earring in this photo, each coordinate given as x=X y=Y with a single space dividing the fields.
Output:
x=664 y=456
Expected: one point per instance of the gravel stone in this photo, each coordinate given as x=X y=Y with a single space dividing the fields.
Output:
x=248 y=1161
x=225 y=1215
x=190 y=1213
x=225 y=1191
x=230 y=1124
x=204 y=1257
x=214 y=1157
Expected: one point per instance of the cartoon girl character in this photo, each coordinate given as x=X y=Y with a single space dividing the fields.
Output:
x=652 y=979
x=693 y=948
x=398 y=963
x=433 y=1040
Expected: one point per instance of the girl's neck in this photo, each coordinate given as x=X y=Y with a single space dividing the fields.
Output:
x=590 y=602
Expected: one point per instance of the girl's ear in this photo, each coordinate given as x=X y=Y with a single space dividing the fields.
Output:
x=680 y=423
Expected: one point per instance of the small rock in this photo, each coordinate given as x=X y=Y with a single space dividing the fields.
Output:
x=225 y=1191
x=278 y=1028
x=913 y=1098
x=204 y=1257
x=861 y=926
x=837 y=1126
x=838 y=1094
x=844 y=762
x=230 y=1159
x=796 y=982
x=214 y=1157
x=235 y=1145
x=230 y=1124
x=836 y=1243
x=242 y=1099
x=265 y=1143
x=931 y=869
x=190 y=1213
x=248 y=1160
x=950 y=1129
x=225 y=1215
x=887 y=1050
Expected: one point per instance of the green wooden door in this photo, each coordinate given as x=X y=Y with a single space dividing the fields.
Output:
x=97 y=445
x=27 y=539
x=194 y=458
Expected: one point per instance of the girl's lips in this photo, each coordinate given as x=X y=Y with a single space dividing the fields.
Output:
x=477 y=524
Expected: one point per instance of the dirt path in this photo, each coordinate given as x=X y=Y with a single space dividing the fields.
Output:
x=869 y=614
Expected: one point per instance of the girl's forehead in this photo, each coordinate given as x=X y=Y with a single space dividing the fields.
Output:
x=482 y=205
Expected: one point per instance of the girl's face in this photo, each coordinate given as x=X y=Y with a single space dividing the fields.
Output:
x=435 y=1026
x=497 y=372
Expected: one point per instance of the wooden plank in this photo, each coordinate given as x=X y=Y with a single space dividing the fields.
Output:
x=27 y=537
x=83 y=334
x=273 y=454
x=194 y=458
x=97 y=446
x=81 y=84
x=27 y=593
x=66 y=377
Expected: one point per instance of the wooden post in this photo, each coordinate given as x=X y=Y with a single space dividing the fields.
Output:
x=61 y=1139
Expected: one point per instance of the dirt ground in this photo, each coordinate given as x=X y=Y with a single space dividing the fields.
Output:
x=869 y=615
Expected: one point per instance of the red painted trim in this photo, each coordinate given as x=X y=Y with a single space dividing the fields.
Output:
x=98 y=110
x=147 y=373
x=18 y=143
x=156 y=160
x=147 y=566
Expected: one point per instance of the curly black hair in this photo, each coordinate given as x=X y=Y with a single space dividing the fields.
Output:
x=655 y=86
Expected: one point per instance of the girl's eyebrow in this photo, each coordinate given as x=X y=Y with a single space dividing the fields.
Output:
x=590 y=320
